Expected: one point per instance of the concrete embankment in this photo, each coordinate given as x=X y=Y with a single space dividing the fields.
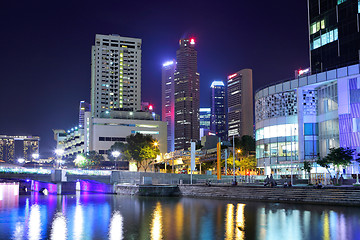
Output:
x=329 y=196
x=148 y=190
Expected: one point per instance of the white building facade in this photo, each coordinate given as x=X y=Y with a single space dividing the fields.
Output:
x=115 y=74
x=301 y=119
x=101 y=133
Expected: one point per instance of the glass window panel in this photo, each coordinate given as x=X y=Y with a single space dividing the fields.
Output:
x=322 y=24
x=335 y=34
x=273 y=150
x=273 y=131
x=266 y=132
x=331 y=36
x=308 y=129
x=316 y=43
x=317 y=26
x=266 y=150
x=323 y=39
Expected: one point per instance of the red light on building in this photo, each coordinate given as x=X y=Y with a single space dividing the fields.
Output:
x=151 y=107
x=192 y=41
x=232 y=75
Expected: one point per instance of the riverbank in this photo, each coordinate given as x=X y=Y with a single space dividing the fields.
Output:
x=330 y=195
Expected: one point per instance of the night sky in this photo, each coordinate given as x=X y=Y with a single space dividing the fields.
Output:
x=46 y=45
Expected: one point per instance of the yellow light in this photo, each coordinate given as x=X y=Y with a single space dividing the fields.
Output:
x=156 y=226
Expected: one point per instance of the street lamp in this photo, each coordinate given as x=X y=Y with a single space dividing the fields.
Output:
x=59 y=152
x=115 y=154
x=35 y=156
x=21 y=160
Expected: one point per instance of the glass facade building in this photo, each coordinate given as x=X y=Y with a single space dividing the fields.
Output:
x=334 y=33
x=218 y=108
x=302 y=118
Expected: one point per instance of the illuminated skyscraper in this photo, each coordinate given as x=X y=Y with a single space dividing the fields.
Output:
x=205 y=117
x=187 y=95
x=240 y=104
x=15 y=147
x=84 y=107
x=115 y=74
x=334 y=33
x=168 y=101
x=218 y=108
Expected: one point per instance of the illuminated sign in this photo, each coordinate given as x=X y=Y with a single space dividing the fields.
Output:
x=168 y=63
x=192 y=41
x=303 y=71
x=232 y=75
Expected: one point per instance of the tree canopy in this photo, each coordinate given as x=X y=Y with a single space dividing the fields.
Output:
x=88 y=159
x=139 y=147
x=338 y=157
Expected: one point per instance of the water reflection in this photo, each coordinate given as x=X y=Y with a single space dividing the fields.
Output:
x=156 y=225
x=116 y=226
x=240 y=221
x=125 y=217
x=58 y=227
x=34 y=223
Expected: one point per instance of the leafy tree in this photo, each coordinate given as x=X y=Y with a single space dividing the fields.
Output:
x=307 y=168
x=88 y=160
x=122 y=148
x=338 y=157
x=140 y=147
x=148 y=155
x=246 y=143
x=230 y=164
x=248 y=163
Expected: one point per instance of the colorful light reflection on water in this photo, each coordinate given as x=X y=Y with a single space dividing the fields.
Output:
x=93 y=216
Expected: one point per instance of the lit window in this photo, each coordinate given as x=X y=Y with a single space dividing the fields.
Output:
x=322 y=24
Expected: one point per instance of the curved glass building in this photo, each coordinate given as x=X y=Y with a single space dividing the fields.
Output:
x=301 y=119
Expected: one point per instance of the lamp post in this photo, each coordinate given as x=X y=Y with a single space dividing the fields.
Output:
x=156 y=144
x=115 y=154
x=21 y=160
x=59 y=152
x=35 y=156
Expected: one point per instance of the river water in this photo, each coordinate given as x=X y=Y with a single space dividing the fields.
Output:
x=98 y=216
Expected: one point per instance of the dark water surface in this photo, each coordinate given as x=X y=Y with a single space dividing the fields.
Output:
x=93 y=216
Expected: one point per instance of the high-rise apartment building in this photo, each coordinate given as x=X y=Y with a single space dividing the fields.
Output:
x=334 y=33
x=15 y=147
x=168 y=101
x=240 y=103
x=84 y=107
x=205 y=118
x=218 y=108
x=115 y=74
x=187 y=95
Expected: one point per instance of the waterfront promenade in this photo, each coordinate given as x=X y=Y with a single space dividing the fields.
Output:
x=329 y=195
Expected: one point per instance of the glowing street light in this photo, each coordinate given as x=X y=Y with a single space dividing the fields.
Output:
x=115 y=154
x=21 y=160
x=35 y=156
x=156 y=144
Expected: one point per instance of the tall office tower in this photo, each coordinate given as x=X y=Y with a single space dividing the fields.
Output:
x=218 y=108
x=168 y=101
x=187 y=95
x=15 y=147
x=115 y=74
x=205 y=117
x=84 y=107
x=334 y=33
x=240 y=103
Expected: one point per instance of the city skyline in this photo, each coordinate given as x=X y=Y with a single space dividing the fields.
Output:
x=52 y=69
